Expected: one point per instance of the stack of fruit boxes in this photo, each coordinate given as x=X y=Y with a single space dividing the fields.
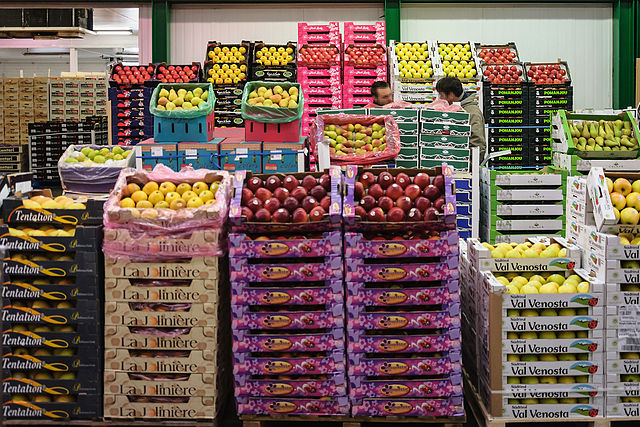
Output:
x=320 y=81
x=274 y=62
x=464 y=206
x=52 y=308
x=226 y=66
x=403 y=306
x=288 y=298
x=444 y=137
x=509 y=201
x=166 y=303
x=545 y=99
x=611 y=254
x=540 y=330
x=358 y=78
x=130 y=117
x=413 y=70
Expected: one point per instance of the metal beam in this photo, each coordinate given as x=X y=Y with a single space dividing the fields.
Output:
x=625 y=48
x=160 y=20
x=392 y=19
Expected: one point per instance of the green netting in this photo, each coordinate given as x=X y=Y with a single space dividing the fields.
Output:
x=183 y=114
x=264 y=114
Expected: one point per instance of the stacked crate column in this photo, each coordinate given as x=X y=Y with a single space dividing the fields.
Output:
x=52 y=303
x=444 y=137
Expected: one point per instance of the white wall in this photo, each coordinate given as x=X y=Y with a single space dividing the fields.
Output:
x=42 y=66
x=580 y=34
x=193 y=26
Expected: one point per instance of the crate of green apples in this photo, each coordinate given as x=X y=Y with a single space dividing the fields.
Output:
x=595 y=136
x=93 y=168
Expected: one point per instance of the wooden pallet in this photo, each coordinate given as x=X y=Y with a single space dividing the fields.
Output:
x=114 y=422
x=43 y=33
x=346 y=421
x=484 y=419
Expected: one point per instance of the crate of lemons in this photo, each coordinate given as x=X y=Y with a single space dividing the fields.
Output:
x=167 y=195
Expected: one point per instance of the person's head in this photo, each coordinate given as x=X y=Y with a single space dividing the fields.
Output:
x=381 y=93
x=449 y=89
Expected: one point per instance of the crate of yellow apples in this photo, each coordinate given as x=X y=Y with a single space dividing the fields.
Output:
x=271 y=102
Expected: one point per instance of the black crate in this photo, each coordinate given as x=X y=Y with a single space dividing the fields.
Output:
x=562 y=92
x=509 y=122
x=549 y=102
x=87 y=406
x=542 y=140
x=512 y=103
x=74 y=288
x=543 y=111
x=541 y=121
x=508 y=131
x=286 y=73
x=497 y=91
x=11 y=18
x=508 y=140
x=504 y=112
x=13 y=212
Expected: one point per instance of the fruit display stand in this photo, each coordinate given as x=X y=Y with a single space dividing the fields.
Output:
x=52 y=298
x=167 y=295
x=288 y=295
x=444 y=137
x=413 y=70
x=510 y=199
x=403 y=299
x=541 y=330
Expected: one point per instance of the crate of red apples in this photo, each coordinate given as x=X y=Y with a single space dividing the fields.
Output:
x=318 y=56
x=365 y=56
x=497 y=54
x=547 y=73
x=178 y=73
x=378 y=199
x=501 y=74
x=125 y=75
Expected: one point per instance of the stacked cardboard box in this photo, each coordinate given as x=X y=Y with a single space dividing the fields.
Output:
x=52 y=308
x=444 y=137
x=165 y=314
x=288 y=306
x=411 y=87
x=519 y=204
x=537 y=353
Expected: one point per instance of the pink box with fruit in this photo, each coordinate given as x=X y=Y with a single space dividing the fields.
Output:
x=245 y=341
x=334 y=385
x=299 y=202
x=361 y=56
x=243 y=271
x=288 y=295
x=374 y=33
x=358 y=271
x=428 y=199
x=354 y=73
x=242 y=245
x=322 y=92
x=319 y=56
x=244 y=364
x=360 y=387
x=358 y=245
x=282 y=320
x=310 y=33
x=305 y=74
x=449 y=407
x=360 y=342
x=399 y=296
x=419 y=364
x=292 y=406
x=356 y=102
x=354 y=91
x=359 y=318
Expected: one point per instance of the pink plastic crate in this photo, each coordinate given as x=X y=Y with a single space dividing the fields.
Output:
x=245 y=341
x=323 y=102
x=292 y=388
x=353 y=73
x=321 y=91
x=292 y=406
x=299 y=246
x=446 y=340
x=323 y=81
x=356 y=91
x=360 y=365
x=319 y=34
x=449 y=407
x=271 y=132
x=312 y=73
x=374 y=33
x=356 y=102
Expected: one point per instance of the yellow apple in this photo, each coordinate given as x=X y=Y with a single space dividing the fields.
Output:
x=199 y=187
x=194 y=202
x=188 y=195
x=181 y=188
x=177 y=204
x=142 y=204
x=162 y=204
x=167 y=187
x=171 y=196
x=155 y=197
x=206 y=195
x=138 y=196
x=130 y=189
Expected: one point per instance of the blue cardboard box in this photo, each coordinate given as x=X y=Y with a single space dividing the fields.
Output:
x=241 y=155
x=200 y=155
x=153 y=153
x=283 y=157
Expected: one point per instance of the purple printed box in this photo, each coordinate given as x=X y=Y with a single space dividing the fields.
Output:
x=419 y=365
x=266 y=406
x=358 y=342
x=244 y=341
x=451 y=407
x=287 y=295
x=290 y=388
x=357 y=246
x=332 y=220
x=387 y=297
x=250 y=365
x=359 y=319
x=299 y=246
x=360 y=387
x=446 y=220
x=358 y=271
x=242 y=271
x=242 y=319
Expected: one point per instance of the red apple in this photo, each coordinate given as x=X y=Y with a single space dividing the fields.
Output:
x=308 y=182
x=246 y=212
x=376 y=191
x=385 y=179
x=368 y=202
x=422 y=203
x=386 y=203
x=394 y=191
x=318 y=192
x=272 y=205
x=359 y=212
x=254 y=183
x=402 y=179
x=438 y=181
x=421 y=180
x=431 y=214
x=254 y=204
x=412 y=191
x=358 y=191
x=367 y=179
x=439 y=204
x=317 y=214
x=300 y=215
x=290 y=182
x=431 y=192
x=325 y=181
x=273 y=182
x=308 y=203
x=376 y=215
x=299 y=193
x=246 y=196
x=263 y=194
x=414 y=215
x=395 y=215
x=263 y=215
x=404 y=203
x=325 y=203
x=281 y=215
x=281 y=194
x=291 y=204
